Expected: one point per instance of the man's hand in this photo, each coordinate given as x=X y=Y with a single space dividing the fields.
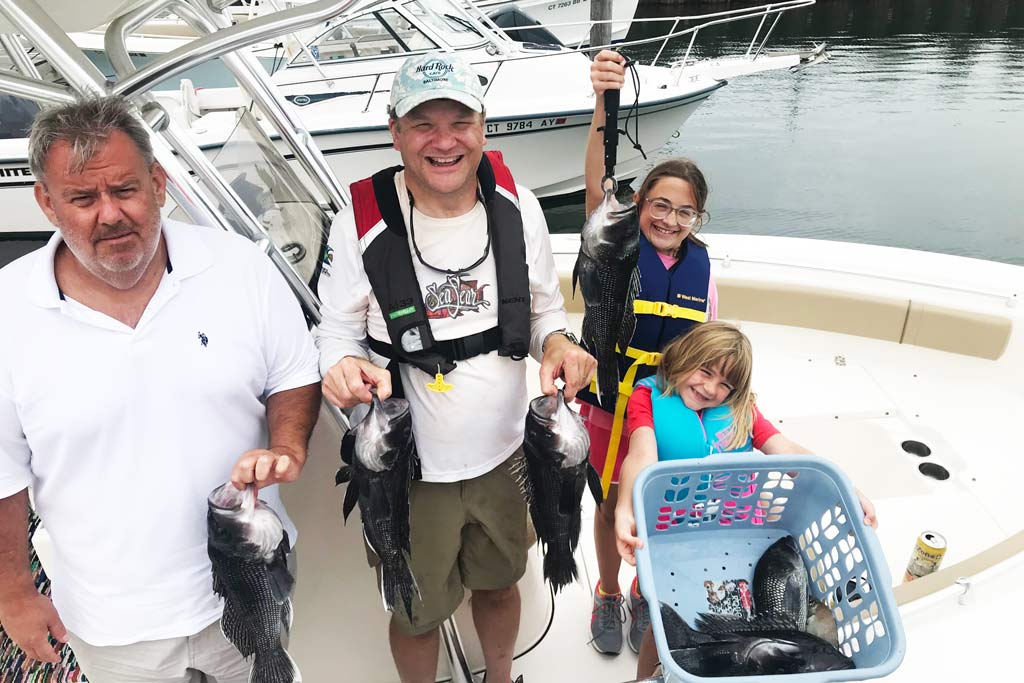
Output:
x=29 y=621
x=266 y=467
x=348 y=382
x=569 y=361
x=607 y=71
x=626 y=539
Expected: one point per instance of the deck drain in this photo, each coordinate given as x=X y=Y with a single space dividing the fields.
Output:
x=916 y=448
x=930 y=469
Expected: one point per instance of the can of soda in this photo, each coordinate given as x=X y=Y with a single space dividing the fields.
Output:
x=927 y=556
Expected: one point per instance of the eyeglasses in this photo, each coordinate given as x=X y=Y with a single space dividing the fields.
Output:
x=660 y=209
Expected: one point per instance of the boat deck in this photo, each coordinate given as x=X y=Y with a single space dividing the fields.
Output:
x=851 y=399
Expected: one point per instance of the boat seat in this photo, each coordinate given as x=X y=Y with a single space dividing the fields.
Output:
x=890 y=319
x=901 y=321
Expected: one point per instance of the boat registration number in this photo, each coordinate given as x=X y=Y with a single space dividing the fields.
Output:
x=565 y=3
x=524 y=124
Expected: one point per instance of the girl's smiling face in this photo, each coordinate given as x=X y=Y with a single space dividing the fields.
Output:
x=706 y=387
x=667 y=234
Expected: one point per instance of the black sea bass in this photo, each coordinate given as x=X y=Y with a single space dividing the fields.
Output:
x=380 y=458
x=789 y=632
x=555 y=471
x=756 y=651
x=248 y=549
x=606 y=270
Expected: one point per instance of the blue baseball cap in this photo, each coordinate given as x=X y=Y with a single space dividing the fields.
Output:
x=435 y=76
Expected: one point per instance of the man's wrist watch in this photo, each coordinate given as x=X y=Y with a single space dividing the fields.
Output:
x=564 y=332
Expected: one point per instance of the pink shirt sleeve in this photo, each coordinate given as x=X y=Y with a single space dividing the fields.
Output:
x=639 y=412
x=712 y=299
x=763 y=429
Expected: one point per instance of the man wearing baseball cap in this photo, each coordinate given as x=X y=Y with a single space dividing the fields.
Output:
x=440 y=281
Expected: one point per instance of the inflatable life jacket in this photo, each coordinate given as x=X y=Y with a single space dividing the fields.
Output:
x=682 y=433
x=670 y=302
x=387 y=260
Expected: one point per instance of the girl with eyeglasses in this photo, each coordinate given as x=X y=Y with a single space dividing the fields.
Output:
x=677 y=292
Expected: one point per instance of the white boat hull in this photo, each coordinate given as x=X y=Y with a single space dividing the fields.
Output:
x=544 y=152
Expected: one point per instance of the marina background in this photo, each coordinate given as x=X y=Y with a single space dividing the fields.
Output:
x=911 y=136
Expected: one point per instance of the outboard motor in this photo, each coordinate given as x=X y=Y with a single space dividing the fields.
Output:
x=523 y=28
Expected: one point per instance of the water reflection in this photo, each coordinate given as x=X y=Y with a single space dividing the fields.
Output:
x=910 y=136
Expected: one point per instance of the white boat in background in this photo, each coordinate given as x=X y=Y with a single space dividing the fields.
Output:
x=860 y=350
x=568 y=20
x=539 y=98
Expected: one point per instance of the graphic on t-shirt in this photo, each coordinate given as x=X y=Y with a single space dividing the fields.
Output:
x=453 y=297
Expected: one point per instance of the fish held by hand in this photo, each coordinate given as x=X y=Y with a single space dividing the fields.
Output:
x=379 y=457
x=248 y=549
x=607 y=273
x=553 y=472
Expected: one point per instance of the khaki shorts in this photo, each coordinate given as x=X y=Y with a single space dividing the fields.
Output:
x=466 y=534
x=205 y=657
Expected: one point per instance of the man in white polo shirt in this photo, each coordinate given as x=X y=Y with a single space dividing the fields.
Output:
x=143 y=363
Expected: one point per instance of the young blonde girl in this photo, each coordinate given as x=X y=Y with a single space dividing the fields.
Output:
x=700 y=403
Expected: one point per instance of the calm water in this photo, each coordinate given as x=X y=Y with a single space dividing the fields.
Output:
x=911 y=136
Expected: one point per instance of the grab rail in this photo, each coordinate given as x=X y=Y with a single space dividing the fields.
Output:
x=250 y=76
x=227 y=40
x=711 y=19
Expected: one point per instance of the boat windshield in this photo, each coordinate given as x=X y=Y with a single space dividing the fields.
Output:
x=447 y=20
x=17 y=116
x=276 y=193
x=385 y=32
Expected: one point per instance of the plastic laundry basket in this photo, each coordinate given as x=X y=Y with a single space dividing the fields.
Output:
x=706 y=522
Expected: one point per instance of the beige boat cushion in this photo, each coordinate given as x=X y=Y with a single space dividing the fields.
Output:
x=864 y=315
x=821 y=309
x=947 y=329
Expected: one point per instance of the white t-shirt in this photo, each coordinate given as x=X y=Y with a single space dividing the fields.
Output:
x=122 y=432
x=471 y=429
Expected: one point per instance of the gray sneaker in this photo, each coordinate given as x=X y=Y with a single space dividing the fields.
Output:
x=606 y=623
x=640 y=619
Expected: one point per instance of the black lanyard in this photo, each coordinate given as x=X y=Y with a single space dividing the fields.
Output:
x=458 y=271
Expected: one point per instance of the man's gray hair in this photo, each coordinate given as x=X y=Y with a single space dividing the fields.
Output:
x=86 y=125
